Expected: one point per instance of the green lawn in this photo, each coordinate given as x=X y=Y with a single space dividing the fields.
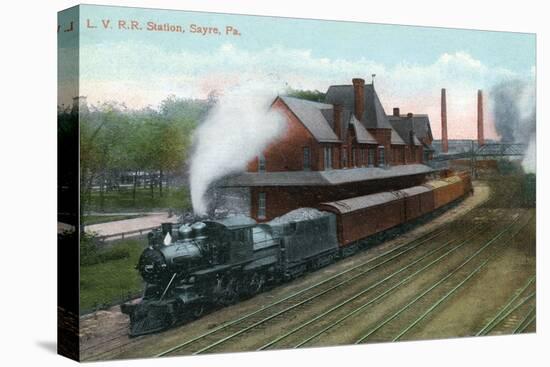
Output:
x=122 y=200
x=111 y=281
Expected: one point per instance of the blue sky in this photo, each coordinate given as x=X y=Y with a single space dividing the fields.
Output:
x=411 y=63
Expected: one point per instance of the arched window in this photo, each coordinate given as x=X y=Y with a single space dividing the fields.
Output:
x=381 y=156
x=307 y=159
x=372 y=154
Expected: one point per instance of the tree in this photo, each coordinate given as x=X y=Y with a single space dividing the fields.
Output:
x=311 y=95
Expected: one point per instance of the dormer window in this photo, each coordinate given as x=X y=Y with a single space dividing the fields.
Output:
x=328 y=157
x=307 y=159
x=344 y=158
x=261 y=163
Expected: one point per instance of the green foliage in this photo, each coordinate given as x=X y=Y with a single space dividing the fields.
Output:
x=152 y=146
x=311 y=95
x=123 y=199
x=91 y=254
x=88 y=249
x=113 y=280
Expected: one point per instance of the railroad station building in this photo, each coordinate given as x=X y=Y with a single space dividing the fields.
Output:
x=345 y=147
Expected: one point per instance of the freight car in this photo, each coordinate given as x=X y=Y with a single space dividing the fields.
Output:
x=216 y=262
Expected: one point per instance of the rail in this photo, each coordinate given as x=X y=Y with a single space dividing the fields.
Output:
x=421 y=240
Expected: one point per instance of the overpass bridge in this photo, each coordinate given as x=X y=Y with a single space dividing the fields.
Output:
x=492 y=150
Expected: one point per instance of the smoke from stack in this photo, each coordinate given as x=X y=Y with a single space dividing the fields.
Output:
x=480 y=133
x=237 y=129
x=513 y=105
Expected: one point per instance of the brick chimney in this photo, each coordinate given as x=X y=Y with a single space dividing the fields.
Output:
x=359 y=97
x=444 y=138
x=480 y=134
x=338 y=109
x=396 y=111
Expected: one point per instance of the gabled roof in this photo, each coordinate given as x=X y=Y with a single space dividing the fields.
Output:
x=374 y=115
x=312 y=116
x=420 y=123
x=396 y=138
x=403 y=127
x=362 y=135
x=323 y=178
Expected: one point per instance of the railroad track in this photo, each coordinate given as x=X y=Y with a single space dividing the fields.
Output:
x=396 y=325
x=228 y=335
x=212 y=341
x=516 y=315
x=232 y=332
x=296 y=301
x=354 y=306
x=118 y=341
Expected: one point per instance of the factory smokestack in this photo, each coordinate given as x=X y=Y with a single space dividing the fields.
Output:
x=444 y=137
x=480 y=135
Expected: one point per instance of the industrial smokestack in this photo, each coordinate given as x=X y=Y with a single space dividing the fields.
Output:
x=480 y=134
x=359 y=94
x=444 y=138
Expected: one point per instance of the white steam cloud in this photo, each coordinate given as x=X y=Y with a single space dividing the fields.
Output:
x=237 y=129
x=514 y=109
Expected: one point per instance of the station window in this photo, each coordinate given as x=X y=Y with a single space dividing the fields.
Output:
x=261 y=163
x=328 y=157
x=307 y=159
x=354 y=157
x=344 y=159
x=371 y=154
x=363 y=156
x=381 y=156
x=261 y=205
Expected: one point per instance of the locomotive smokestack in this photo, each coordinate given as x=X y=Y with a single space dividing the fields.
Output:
x=444 y=138
x=359 y=97
x=480 y=134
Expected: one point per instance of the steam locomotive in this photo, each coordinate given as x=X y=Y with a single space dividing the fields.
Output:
x=189 y=267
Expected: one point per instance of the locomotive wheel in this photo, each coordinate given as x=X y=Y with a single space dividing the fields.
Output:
x=230 y=293
x=256 y=283
x=198 y=310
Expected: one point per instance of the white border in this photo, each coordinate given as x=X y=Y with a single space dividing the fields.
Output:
x=28 y=151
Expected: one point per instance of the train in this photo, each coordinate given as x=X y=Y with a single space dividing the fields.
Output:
x=188 y=268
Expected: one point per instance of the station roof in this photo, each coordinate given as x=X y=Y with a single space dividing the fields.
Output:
x=362 y=135
x=374 y=115
x=323 y=178
x=311 y=115
x=419 y=123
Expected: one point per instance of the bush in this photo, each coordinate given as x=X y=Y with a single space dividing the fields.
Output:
x=114 y=253
x=90 y=254
x=88 y=249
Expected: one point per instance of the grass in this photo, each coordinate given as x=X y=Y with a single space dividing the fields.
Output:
x=112 y=281
x=95 y=219
x=122 y=200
